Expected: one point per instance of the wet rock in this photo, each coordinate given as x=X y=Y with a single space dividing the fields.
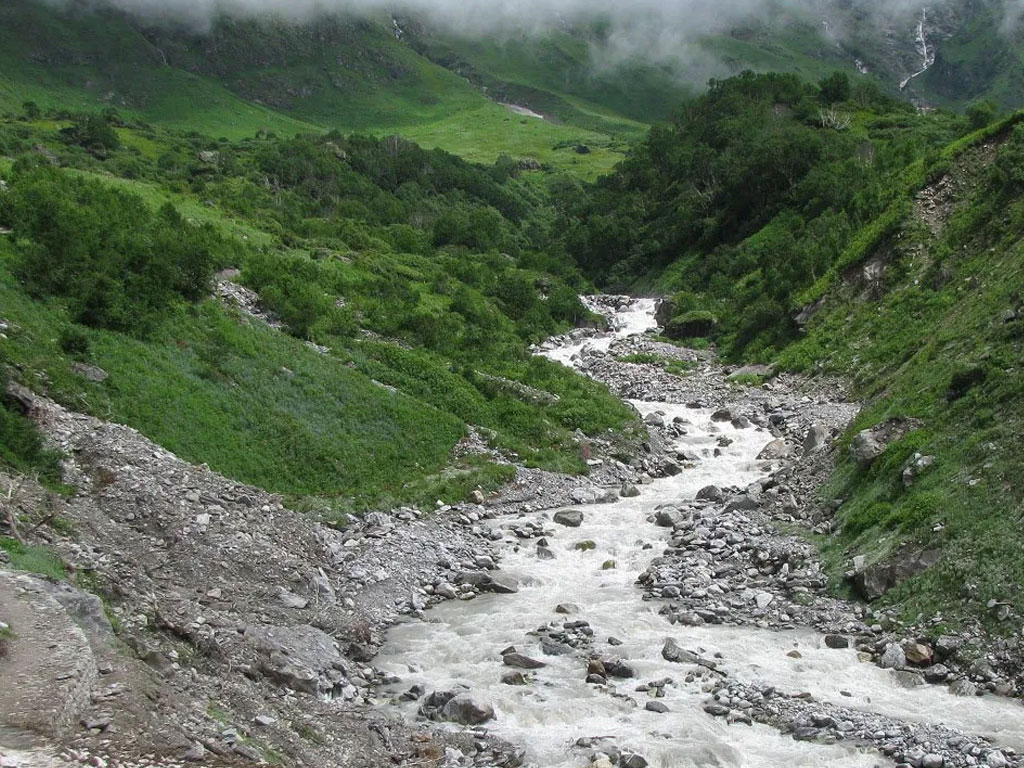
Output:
x=514 y=678
x=893 y=657
x=722 y=414
x=629 y=491
x=668 y=517
x=711 y=493
x=671 y=651
x=456 y=707
x=544 y=553
x=521 y=661
x=618 y=668
x=584 y=546
x=656 y=706
x=837 y=641
x=571 y=518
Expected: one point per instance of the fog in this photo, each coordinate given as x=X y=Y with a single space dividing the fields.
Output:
x=664 y=31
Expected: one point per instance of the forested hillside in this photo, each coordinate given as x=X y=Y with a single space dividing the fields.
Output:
x=830 y=229
x=407 y=285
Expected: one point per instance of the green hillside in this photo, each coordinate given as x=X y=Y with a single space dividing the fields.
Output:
x=826 y=230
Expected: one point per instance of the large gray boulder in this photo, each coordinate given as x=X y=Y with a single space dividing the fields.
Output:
x=456 y=707
x=816 y=440
x=776 y=449
x=865 y=448
x=571 y=518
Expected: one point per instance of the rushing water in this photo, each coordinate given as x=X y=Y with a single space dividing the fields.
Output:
x=460 y=642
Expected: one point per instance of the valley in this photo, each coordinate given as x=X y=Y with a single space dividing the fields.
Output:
x=573 y=385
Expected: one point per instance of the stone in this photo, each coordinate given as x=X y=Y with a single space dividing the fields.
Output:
x=467 y=710
x=893 y=657
x=933 y=761
x=90 y=372
x=584 y=546
x=763 y=599
x=290 y=600
x=937 y=673
x=656 y=706
x=670 y=468
x=570 y=518
x=671 y=651
x=918 y=653
x=445 y=590
x=632 y=760
x=567 y=608
x=618 y=668
x=776 y=449
x=629 y=491
x=476 y=497
x=514 y=678
x=195 y=753
x=816 y=440
x=865 y=448
x=711 y=493
x=544 y=553
x=668 y=517
x=521 y=661
x=837 y=641
x=722 y=414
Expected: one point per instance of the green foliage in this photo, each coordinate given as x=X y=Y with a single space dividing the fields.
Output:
x=835 y=88
x=751 y=201
x=32 y=559
x=981 y=114
x=21 y=444
x=93 y=133
x=114 y=261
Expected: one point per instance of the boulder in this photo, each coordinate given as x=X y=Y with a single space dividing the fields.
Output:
x=671 y=651
x=816 y=440
x=571 y=518
x=629 y=491
x=865 y=448
x=893 y=657
x=456 y=707
x=918 y=653
x=837 y=641
x=722 y=414
x=711 y=493
x=873 y=581
x=668 y=517
x=521 y=661
x=776 y=449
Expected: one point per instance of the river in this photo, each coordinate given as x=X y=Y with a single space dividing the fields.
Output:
x=460 y=642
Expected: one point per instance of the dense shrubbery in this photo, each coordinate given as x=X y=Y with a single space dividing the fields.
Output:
x=115 y=261
x=749 y=197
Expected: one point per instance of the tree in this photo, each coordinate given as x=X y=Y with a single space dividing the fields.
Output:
x=980 y=114
x=31 y=110
x=835 y=88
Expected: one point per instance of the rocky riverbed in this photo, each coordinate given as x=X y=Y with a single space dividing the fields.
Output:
x=658 y=611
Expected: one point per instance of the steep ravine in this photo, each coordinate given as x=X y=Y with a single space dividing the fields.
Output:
x=678 y=626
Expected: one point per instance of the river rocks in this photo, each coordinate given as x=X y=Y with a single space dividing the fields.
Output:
x=776 y=449
x=544 y=553
x=571 y=518
x=918 y=653
x=668 y=517
x=629 y=491
x=656 y=706
x=514 y=678
x=837 y=641
x=521 y=661
x=722 y=415
x=711 y=493
x=672 y=652
x=456 y=707
x=584 y=546
x=893 y=657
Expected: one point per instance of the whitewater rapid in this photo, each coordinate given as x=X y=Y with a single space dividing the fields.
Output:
x=460 y=642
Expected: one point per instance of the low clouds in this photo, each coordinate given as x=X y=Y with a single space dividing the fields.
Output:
x=663 y=31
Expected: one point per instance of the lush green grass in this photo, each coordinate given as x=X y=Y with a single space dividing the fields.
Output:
x=38 y=560
x=934 y=348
